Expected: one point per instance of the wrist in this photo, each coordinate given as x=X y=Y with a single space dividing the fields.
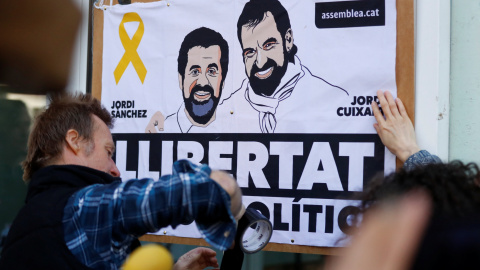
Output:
x=406 y=153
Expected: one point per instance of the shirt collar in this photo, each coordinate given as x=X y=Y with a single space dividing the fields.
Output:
x=183 y=122
x=66 y=175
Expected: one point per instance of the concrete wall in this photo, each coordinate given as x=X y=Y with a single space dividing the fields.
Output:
x=465 y=81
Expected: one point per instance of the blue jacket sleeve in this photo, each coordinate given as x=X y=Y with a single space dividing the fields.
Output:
x=420 y=158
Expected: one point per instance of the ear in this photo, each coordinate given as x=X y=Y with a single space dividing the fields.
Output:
x=72 y=140
x=289 y=40
x=180 y=81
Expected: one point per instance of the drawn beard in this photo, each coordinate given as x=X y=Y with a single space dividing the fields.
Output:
x=201 y=111
x=267 y=86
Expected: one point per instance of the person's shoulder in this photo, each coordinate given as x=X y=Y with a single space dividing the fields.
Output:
x=235 y=95
x=320 y=84
x=171 y=124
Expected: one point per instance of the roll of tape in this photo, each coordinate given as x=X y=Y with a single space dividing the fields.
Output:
x=255 y=231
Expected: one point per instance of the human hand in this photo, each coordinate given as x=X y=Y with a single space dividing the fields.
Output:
x=156 y=122
x=395 y=128
x=231 y=187
x=388 y=237
x=197 y=259
x=149 y=257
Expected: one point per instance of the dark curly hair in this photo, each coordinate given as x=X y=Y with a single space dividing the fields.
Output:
x=453 y=187
x=451 y=239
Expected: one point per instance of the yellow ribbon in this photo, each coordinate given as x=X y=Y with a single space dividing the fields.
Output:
x=130 y=45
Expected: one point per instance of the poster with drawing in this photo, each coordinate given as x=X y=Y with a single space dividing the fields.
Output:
x=275 y=92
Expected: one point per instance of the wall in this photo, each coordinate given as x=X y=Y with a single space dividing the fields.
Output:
x=432 y=72
x=465 y=81
x=78 y=73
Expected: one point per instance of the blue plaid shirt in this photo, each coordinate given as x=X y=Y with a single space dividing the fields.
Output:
x=101 y=221
x=420 y=158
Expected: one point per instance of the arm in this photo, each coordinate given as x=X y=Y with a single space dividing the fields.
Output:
x=231 y=187
x=114 y=215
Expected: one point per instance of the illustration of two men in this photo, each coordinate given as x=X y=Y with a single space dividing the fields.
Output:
x=279 y=93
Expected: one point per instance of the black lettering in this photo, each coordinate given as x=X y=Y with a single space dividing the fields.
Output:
x=144 y=114
x=113 y=105
x=124 y=114
x=277 y=218
x=113 y=114
x=129 y=114
x=134 y=113
x=339 y=111
x=369 y=100
x=312 y=211
x=117 y=115
x=368 y=111
x=347 y=111
x=157 y=156
x=354 y=100
x=361 y=100
x=124 y=104
x=343 y=216
x=329 y=219
x=359 y=111
x=295 y=217
x=262 y=208
x=118 y=104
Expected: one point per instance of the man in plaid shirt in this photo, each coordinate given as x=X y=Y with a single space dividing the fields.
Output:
x=79 y=215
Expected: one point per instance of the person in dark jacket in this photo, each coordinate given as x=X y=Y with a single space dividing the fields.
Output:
x=79 y=215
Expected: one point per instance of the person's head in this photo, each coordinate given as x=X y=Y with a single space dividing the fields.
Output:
x=451 y=239
x=202 y=68
x=266 y=37
x=454 y=187
x=74 y=130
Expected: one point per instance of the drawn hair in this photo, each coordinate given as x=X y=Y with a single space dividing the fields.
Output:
x=254 y=12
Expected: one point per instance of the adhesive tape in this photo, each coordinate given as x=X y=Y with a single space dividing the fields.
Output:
x=255 y=231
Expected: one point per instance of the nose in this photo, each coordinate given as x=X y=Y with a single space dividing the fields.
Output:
x=202 y=79
x=261 y=59
x=114 y=170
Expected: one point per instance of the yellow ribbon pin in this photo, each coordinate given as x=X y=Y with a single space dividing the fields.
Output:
x=130 y=45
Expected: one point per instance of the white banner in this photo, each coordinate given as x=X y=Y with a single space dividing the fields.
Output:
x=277 y=93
